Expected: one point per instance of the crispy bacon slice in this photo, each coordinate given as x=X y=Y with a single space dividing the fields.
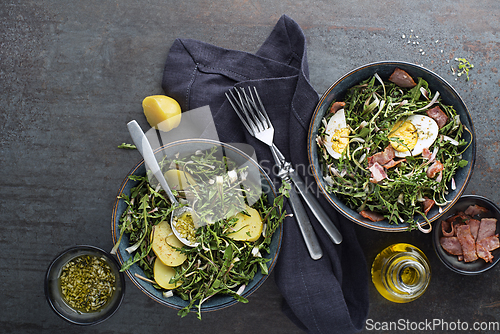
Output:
x=487 y=228
x=476 y=238
x=435 y=168
x=393 y=163
x=490 y=243
x=336 y=106
x=467 y=241
x=459 y=217
x=447 y=229
x=426 y=153
x=474 y=227
x=438 y=115
x=451 y=245
x=382 y=157
x=448 y=225
x=378 y=173
x=428 y=204
x=402 y=79
x=474 y=210
x=483 y=253
x=373 y=216
x=455 y=224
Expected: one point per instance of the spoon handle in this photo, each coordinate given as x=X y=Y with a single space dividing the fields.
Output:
x=142 y=143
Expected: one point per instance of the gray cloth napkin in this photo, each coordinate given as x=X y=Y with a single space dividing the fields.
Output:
x=329 y=295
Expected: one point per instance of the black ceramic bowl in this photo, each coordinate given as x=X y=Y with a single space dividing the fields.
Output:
x=56 y=300
x=384 y=69
x=451 y=261
x=189 y=147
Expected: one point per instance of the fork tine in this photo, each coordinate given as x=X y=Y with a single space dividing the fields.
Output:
x=237 y=110
x=246 y=109
x=259 y=118
x=262 y=109
x=251 y=111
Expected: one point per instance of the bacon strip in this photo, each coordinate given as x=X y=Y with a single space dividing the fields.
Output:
x=426 y=153
x=382 y=157
x=393 y=163
x=483 y=253
x=378 y=173
x=451 y=245
x=487 y=228
x=435 y=168
x=474 y=210
x=336 y=106
x=438 y=115
x=490 y=243
x=459 y=217
x=428 y=204
x=474 y=227
x=373 y=216
x=402 y=79
x=467 y=241
x=476 y=238
x=447 y=229
x=485 y=246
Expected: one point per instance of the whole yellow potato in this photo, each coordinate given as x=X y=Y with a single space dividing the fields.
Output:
x=163 y=240
x=162 y=112
x=247 y=228
x=163 y=274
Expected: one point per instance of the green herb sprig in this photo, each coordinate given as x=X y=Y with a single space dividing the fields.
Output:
x=463 y=67
x=127 y=146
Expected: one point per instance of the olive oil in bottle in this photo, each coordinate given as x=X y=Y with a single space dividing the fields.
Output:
x=401 y=273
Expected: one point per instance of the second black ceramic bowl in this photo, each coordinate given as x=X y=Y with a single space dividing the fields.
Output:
x=384 y=69
x=451 y=261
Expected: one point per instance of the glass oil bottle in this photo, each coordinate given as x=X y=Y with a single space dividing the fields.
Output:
x=401 y=273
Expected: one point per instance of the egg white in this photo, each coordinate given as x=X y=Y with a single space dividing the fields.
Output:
x=427 y=130
x=336 y=122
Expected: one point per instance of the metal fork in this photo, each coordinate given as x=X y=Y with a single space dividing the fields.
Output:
x=253 y=115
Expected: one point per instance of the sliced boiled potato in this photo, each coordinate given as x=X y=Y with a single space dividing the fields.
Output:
x=247 y=228
x=162 y=112
x=173 y=241
x=179 y=180
x=163 y=274
x=163 y=240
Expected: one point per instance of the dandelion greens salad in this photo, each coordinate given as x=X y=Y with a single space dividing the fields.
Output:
x=391 y=149
x=230 y=251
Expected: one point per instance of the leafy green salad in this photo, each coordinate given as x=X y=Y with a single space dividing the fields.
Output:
x=391 y=149
x=230 y=251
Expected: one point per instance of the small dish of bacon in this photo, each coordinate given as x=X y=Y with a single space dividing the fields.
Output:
x=467 y=241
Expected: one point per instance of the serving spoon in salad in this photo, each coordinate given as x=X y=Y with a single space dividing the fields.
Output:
x=144 y=147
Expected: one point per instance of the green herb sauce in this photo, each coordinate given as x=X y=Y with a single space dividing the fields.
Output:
x=87 y=283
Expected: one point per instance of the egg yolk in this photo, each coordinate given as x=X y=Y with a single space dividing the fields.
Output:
x=339 y=140
x=406 y=133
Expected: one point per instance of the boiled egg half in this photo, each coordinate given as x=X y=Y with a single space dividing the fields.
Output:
x=337 y=134
x=412 y=135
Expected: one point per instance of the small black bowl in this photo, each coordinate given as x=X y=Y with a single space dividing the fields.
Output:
x=56 y=300
x=451 y=261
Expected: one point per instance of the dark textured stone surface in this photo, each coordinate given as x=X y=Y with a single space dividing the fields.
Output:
x=72 y=73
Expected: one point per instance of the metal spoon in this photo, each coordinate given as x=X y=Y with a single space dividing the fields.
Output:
x=141 y=142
